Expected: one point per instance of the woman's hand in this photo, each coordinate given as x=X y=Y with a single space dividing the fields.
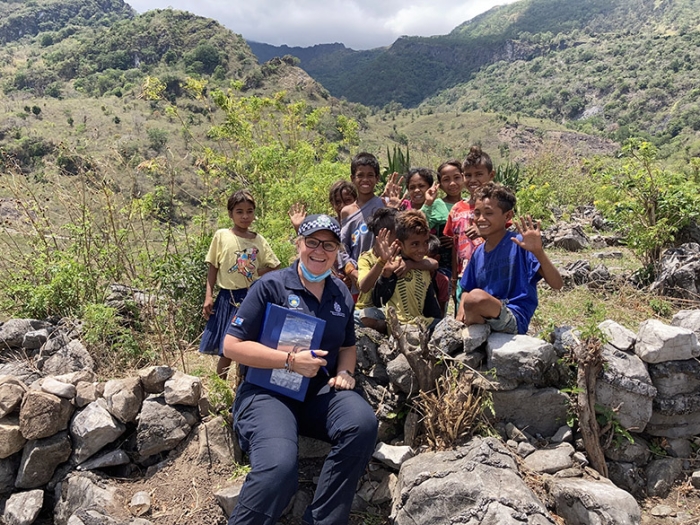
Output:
x=306 y=364
x=208 y=308
x=297 y=214
x=343 y=381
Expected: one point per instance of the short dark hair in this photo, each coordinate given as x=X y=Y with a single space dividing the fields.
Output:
x=338 y=187
x=382 y=218
x=411 y=222
x=364 y=159
x=433 y=245
x=452 y=162
x=493 y=191
x=423 y=173
x=476 y=157
x=239 y=197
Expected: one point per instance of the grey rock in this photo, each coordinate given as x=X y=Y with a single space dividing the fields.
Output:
x=8 y=472
x=580 y=458
x=679 y=448
x=21 y=370
x=401 y=375
x=160 y=428
x=22 y=508
x=695 y=479
x=110 y=459
x=677 y=417
x=479 y=479
x=92 y=429
x=570 y=237
x=662 y=511
x=564 y=339
x=689 y=319
x=11 y=438
x=58 y=340
x=12 y=332
x=447 y=336
x=583 y=501
x=140 y=503
x=672 y=378
x=51 y=386
x=515 y=434
x=625 y=385
x=86 y=393
x=216 y=442
x=575 y=273
x=34 y=339
x=679 y=272
x=43 y=415
x=661 y=475
x=392 y=456
x=525 y=449
x=12 y=392
x=153 y=378
x=628 y=477
x=87 y=376
x=73 y=357
x=536 y=410
x=598 y=276
x=182 y=389
x=617 y=335
x=40 y=459
x=84 y=492
x=368 y=342
x=313 y=448
x=658 y=342
x=551 y=459
x=227 y=497
x=123 y=397
x=624 y=451
x=474 y=337
x=563 y=434
x=472 y=359
x=519 y=357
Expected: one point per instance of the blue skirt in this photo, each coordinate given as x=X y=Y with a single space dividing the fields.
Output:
x=225 y=307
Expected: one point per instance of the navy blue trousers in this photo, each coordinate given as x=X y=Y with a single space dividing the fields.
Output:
x=268 y=426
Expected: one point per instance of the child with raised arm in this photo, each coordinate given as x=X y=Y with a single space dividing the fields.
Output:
x=477 y=170
x=410 y=291
x=500 y=282
x=236 y=258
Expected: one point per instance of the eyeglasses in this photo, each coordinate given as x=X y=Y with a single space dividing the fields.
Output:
x=313 y=243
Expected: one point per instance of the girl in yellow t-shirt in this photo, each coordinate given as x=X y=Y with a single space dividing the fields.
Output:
x=237 y=257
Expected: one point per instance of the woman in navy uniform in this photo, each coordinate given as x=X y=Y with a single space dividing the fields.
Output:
x=268 y=424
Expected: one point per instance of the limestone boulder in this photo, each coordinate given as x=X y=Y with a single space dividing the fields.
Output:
x=34 y=339
x=43 y=415
x=11 y=438
x=12 y=332
x=658 y=342
x=661 y=475
x=40 y=458
x=72 y=357
x=584 y=501
x=672 y=378
x=58 y=388
x=689 y=319
x=552 y=459
x=401 y=375
x=625 y=385
x=183 y=389
x=519 y=357
x=636 y=452
x=85 y=490
x=93 y=428
x=12 y=392
x=86 y=393
x=153 y=378
x=617 y=335
x=536 y=410
x=20 y=370
x=22 y=508
x=479 y=479
x=675 y=417
x=74 y=378
x=8 y=472
x=392 y=455
x=124 y=397
x=447 y=336
x=216 y=442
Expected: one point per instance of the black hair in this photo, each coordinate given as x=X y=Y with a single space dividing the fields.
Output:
x=433 y=245
x=424 y=173
x=382 y=218
x=502 y=194
x=337 y=188
x=364 y=159
x=477 y=157
x=239 y=197
x=452 y=162
x=410 y=222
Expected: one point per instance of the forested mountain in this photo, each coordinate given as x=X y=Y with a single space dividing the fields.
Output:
x=415 y=68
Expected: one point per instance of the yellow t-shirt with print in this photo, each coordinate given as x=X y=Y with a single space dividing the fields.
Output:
x=239 y=259
x=365 y=263
x=409 y=296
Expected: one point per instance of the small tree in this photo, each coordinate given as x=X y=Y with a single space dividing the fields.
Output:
x=645 y=201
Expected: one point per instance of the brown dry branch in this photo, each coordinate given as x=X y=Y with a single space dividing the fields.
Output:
x=589 y=357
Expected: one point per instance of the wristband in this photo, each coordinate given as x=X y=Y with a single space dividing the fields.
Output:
x=346 y=372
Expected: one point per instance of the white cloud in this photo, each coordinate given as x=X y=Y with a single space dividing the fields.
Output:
x=360 y=24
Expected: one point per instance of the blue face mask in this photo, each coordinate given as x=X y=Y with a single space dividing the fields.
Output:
x=310 y=276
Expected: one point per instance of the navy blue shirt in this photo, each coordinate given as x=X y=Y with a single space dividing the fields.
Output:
x=284 y=288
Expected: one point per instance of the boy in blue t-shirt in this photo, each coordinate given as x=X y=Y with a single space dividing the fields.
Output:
x=500 y=281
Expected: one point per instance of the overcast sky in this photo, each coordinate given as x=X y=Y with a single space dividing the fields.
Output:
x=359 y=24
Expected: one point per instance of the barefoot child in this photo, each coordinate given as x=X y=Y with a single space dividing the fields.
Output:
x=236 y=258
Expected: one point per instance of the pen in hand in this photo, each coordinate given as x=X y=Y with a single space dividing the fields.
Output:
x=325 y=370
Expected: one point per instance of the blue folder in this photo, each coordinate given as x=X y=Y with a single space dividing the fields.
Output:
x=287 y=331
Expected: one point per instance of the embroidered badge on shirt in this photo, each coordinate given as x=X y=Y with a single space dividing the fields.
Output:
x=337 y=310
x=237 y=321
x=293 y=301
